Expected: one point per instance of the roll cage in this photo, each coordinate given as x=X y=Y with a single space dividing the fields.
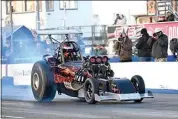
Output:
x=60 y=51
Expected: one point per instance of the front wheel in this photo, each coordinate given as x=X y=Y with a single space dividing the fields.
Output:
x=90 y=89
x=139 y=85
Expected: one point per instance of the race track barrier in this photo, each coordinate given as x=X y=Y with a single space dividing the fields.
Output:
x=157 y=75
x=21 y=73
x=161 y=75
x=3 y=70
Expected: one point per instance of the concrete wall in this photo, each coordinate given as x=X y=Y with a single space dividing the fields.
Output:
x=156 y=75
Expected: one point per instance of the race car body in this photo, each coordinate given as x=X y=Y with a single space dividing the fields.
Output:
x=89 y=78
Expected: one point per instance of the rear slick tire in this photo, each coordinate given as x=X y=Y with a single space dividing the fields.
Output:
x=42 y=82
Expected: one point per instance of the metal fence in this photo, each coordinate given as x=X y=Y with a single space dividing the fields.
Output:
x=92 y=34
x=100 y=34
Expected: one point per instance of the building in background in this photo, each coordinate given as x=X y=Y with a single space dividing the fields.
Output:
x=84 y=13
x=136 y=12
x=52 y=13
x=156 y=10
x=76 y=13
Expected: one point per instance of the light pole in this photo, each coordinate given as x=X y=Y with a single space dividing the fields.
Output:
x=64 y=5
x=37 y=16
x=95 y=20
x=11 y=22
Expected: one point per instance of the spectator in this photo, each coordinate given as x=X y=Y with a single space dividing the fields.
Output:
x=170 y=16
x=117 y=18
x=144 y=50
x=174 y=47
x=124 y=48
x=120 y=20
x=102 y=50
x=95 y=50
x=160 y=46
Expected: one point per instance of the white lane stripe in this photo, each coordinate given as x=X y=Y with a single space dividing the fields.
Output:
x=61 y=114
x=3 y=116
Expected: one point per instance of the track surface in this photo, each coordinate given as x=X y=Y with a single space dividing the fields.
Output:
x=163 y=106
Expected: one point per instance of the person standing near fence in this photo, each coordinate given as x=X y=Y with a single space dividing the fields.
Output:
x=120 y=20
x=124 y=48
x=102 y=50
x=144 y=50
x=170 y=17
x=160 y=46
x=117 y=19
x=174 y=47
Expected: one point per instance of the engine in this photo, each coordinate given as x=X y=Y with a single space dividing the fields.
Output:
x=99 y=67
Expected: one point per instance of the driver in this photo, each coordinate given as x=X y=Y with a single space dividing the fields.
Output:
x=67 y=51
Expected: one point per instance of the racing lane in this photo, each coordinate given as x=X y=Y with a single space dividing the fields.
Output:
x=163 y=106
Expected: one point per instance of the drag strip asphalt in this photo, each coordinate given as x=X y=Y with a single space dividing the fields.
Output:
x=163 y=106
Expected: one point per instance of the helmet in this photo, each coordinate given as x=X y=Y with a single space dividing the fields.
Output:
x=67 y=46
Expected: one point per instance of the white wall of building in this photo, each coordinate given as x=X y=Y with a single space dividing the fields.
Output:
x=27 y=18
x=81 y=16
x=107 y=9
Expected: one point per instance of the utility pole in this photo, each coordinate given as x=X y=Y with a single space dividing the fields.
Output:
x=11 y=24
x=37 y=15
x=64 y=5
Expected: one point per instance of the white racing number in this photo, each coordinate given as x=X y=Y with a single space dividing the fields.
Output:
x=79 y=77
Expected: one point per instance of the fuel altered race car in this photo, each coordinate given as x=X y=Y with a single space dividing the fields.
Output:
x=88 y=78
